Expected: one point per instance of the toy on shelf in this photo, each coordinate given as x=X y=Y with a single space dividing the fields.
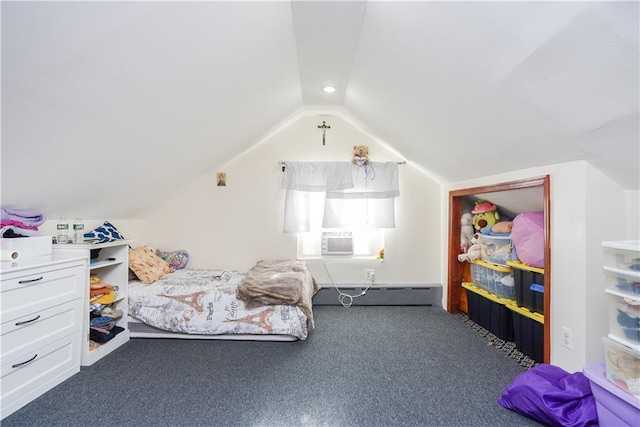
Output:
x=484 y=213
x=466 y=231
x=360 y=155
x=473 y=252
x=499 y=228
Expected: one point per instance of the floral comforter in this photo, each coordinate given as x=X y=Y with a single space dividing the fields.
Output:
x=197 y=301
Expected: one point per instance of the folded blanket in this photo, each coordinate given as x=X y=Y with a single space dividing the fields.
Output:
x=33 y=219
x=279 y=282
x=11 y=231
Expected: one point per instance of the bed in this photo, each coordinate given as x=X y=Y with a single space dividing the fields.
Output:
x=271 y=301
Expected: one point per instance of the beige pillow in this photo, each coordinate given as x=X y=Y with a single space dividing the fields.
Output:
x=147 y=265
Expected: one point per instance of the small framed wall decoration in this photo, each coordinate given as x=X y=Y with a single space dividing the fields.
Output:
x=221 y=179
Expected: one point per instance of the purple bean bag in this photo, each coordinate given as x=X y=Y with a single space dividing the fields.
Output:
x=552 y=396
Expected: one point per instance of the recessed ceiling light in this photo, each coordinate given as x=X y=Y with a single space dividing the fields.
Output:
x=329 y=89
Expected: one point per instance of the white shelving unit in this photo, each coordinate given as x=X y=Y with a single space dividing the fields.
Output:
x=112 y=266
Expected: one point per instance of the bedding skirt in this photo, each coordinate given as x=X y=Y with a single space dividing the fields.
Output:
x=200 y=303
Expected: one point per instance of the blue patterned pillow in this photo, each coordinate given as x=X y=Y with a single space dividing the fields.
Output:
x=105 y=233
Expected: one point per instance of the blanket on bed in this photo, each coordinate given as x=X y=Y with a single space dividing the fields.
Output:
x=279 y=282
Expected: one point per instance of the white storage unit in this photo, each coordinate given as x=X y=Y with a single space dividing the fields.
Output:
x=41 y=308
x=112 y=266
x=622 y=346
x=622 y=276
x=624 y=319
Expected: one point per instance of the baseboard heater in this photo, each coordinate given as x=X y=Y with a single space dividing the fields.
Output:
x=396 y=295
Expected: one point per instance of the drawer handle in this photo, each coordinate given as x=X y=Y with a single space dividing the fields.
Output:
x=24 y=322
x=17 y=365
x=30 y=280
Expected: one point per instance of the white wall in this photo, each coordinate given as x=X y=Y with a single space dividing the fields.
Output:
x=632 y=214
x=606 y=217
x=580 y=220
x=234 y=226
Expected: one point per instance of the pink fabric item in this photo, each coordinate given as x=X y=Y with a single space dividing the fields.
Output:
x=528 y=238
x=18 y=224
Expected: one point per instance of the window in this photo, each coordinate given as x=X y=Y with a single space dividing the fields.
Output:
x=339 y=195
x=338 y=208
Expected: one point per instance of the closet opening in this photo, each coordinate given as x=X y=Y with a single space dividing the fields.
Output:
x=525 y=194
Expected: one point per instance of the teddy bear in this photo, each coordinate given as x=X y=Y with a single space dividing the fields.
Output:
x=473 y=252
x=360 y=155
x=466 y=231
x=484 y=214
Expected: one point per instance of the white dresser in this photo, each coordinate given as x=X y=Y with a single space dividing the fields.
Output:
x=41 y=302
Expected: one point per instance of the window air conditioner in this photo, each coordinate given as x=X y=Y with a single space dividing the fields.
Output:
x=337 y=243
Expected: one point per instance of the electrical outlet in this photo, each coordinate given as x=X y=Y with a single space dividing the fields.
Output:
x=370 y=275
x=566 y=337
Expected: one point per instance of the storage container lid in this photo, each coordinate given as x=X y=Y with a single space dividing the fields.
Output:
x=634 y=275
x=495 y=236
x=632 y=299
x=492 y=266
x=522 y=266
x=625 y=245
x=488 y=295
x=526 y=313
x=611 y=341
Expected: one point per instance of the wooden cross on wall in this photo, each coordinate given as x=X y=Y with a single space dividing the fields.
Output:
x=324 y=128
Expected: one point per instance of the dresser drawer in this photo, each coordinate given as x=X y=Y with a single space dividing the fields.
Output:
x=39 y=289
x=39 y=328
x=29 y=375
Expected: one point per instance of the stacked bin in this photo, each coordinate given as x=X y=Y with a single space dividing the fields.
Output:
x=528 y=309
x=529 y=286
x=489 y=311
x=492 y=288
x=495 y=279
x=620 y=405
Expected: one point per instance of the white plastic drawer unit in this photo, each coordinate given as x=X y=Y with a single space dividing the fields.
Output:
x=624 y=254
x=28 y=291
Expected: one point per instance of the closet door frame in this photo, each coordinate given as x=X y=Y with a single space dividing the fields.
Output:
x=454 y=287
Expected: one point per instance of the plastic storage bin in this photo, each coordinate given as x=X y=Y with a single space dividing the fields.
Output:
x=622 y=366
x=489 y=311
x=615 y=407
x=529 y=286
x=479 y=274
x=624 y=318
x=493 y=278
x=496 y=249
x=26 y=247
x=622 y=254
x=622 y=280
x=528 y=331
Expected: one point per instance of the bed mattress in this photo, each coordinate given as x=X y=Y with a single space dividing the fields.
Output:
x=203 y=303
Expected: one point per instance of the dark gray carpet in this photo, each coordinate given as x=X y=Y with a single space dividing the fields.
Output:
x=362 y=366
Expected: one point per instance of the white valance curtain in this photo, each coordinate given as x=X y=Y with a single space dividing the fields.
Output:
x=339 y=195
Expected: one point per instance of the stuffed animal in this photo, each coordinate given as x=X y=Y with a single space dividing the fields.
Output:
x=473 y=252
x=484 y=213
x=499 y=228
x=360 y=155
x=176 y=259
x=466 y=231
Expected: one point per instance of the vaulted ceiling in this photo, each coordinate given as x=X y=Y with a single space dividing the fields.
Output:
x=117 y=94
